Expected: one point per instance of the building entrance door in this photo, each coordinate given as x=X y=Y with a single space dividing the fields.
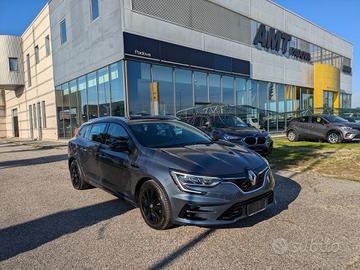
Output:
x=15 y=123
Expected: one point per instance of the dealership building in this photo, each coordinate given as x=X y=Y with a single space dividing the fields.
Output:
x=82 y=59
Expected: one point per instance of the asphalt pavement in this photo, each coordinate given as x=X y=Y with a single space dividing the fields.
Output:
x=46 y=224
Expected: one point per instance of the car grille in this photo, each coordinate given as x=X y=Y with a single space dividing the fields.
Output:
x=245 y=184
x=239 y=209
x=254 y=140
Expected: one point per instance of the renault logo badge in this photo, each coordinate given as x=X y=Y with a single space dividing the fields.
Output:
x=252 y=177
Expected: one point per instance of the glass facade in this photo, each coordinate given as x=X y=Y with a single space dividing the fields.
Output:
x=266 y=105
x=99 y=93
x=269 y=105
x=345 y=101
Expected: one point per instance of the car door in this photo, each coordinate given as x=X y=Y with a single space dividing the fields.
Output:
x=303 y=127
x=90 y=163
x=115 y=166
x=318 y=127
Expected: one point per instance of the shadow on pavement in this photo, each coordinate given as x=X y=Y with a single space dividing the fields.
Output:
x=286 y=192
x=30 y=235
x=32 y=161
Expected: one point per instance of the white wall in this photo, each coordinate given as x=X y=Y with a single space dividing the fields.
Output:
x=91 y=44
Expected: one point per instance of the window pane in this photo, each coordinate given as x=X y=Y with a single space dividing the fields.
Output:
x=214 y=88
x=63 y=35
x=164 y=77
x=74 y=114
x=228 y=90
x=139 y=81
x=66 y=110
x=82 y=100
x=59 y=110
x=117 y=90
x=200 y=87
x=183 y=89
x=13 y=64
x=37 y=57
x=47 y=45
x=241 y=94
x=92 y=95
x=104 y=92
x=28 y=69
x=43 y=109
x=94 y=9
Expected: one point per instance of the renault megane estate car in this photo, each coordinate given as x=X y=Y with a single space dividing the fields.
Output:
x=172 y=171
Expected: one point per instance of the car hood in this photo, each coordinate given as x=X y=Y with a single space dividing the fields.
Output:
x=349 y=124
x=217 y=159
x=243 y=132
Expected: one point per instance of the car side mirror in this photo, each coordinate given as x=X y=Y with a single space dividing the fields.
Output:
x=120 y=146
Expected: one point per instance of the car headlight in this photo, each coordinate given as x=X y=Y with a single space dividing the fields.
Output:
x=230 y=137
x=188 y=183
x=268 y=138
x=346 y=129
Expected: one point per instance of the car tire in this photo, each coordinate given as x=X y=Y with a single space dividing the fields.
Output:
x=155 y=206
x=292 y=136
x=77 y=179
x=333 y=137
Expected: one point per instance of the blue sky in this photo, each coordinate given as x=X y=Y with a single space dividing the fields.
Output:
x=338 y=16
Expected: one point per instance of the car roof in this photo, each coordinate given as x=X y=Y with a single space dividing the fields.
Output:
x=130 y=119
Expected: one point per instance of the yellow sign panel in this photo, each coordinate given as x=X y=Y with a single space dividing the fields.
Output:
x=154 y=87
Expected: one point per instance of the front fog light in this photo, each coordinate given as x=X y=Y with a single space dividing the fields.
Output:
x=188 y=182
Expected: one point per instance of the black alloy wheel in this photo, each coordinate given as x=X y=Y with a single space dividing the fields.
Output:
x=76 y=177
x=154 y=205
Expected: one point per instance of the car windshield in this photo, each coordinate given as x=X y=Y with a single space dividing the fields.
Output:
x=167 y=134
x=335 y=119
x=228 y=121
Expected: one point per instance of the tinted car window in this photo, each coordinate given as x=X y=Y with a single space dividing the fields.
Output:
x=318 y=120
x=304 y=119
x=115 y=133
x=96 y=131
x=83 y=130
x=168 y=134
x=335 y=119
x=228 y=121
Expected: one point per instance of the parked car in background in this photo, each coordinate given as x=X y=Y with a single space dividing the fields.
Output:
x=352 y=117
x=231 y=128
x=333 y=129
x=172 y=171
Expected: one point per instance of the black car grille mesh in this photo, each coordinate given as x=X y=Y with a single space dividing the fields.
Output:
x=239 y=209
x=254 y=140
x=246 y=185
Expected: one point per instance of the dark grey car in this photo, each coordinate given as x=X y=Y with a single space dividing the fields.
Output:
x=174 y=172
x=330 y=128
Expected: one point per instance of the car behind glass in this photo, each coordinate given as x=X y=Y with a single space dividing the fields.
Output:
x=173 y=172
x=233 y=129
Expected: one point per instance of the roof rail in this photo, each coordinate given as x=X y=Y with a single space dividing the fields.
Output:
x=153 y=117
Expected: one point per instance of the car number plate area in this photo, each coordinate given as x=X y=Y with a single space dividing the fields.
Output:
x=256 y=207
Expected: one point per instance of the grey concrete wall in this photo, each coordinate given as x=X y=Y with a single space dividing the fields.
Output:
x=264 y=65
x=90 y=44
x=10 y=46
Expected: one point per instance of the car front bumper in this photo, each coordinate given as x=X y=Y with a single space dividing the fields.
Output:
x=221 y=205
x=353 y=136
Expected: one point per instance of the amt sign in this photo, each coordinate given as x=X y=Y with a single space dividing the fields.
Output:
x=278 y=41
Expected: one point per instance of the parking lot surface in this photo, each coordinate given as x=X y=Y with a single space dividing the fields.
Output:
x=46 y=224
